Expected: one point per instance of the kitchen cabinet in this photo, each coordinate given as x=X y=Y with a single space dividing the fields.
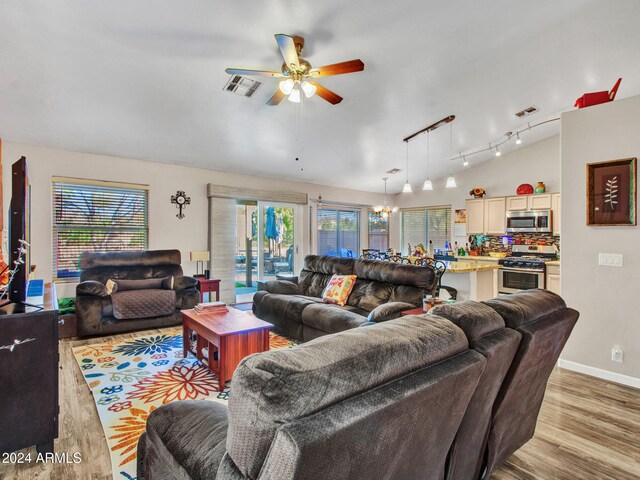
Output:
x=475 y=216
x=542 y=201
x=555 y=207
x=494 y=216
x=517 y=203
x=553 y=278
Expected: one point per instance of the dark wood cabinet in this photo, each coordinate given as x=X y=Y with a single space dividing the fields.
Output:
x=29 y=361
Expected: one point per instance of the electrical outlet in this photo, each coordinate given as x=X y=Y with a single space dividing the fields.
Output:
x=617 y=355
x=610 y=259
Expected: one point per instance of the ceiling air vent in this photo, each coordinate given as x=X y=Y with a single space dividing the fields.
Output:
x=242 y=86
x=393 y=171
x=526 y=112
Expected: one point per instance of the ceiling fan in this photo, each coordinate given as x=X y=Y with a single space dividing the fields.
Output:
x=298 y=73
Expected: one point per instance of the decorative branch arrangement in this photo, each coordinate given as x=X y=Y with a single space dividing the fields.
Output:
x=22 y=251
x=611 y=194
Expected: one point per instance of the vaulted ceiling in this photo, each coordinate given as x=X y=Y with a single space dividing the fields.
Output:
x=145 y=79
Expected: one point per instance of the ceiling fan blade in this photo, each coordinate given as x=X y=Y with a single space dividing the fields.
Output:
x=277 y=98
x=338 y=69
x=288 y=49
x=261 y=73
x=331 y=97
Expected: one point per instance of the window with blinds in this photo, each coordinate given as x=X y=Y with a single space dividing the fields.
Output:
x=338 y=232
x=423 y=225
x=96 y=216
x=378 y=232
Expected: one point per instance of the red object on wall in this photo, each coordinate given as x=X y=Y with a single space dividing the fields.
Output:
x=525 y=189
x=596 y=98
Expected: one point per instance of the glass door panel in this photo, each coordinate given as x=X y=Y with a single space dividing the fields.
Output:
x=246 y=261
x=277 y=249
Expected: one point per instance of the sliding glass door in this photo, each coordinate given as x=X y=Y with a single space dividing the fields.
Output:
x=338 y=232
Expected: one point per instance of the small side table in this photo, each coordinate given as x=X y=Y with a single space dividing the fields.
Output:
x=413 y=311
x=209 y=285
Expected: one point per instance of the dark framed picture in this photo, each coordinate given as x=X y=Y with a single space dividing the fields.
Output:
x=611 y=193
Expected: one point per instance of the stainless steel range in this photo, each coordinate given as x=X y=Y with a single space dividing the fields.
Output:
x=525 y=268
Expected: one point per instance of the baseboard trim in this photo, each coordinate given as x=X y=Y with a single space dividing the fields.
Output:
x=599 y=373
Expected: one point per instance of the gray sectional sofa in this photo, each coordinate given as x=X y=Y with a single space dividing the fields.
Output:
x=450 y=394
x=382 y=290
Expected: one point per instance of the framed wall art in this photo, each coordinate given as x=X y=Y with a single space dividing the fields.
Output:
x=611 y=193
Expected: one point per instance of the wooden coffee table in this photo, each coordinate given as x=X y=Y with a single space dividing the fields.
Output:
x=231 y=335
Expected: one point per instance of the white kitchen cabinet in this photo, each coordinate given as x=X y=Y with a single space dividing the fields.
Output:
x=542 y=201
x=517 y=203
x=555 y=208
x=494 y=216
x=553 y=278
x=475 y=217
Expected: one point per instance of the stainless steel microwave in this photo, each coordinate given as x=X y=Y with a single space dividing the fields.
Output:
x=529 y=221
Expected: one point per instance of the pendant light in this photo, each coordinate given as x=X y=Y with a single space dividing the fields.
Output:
x=427 y=183
x=407 y=185
x=451 y=181
x=518 y=139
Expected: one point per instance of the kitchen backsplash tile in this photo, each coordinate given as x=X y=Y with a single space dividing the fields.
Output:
x=495 y=241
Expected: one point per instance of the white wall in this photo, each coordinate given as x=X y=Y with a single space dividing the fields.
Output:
x=165 y=230
x=499 y=176
x=607 y=297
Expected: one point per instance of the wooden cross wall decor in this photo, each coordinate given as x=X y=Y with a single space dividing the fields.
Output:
x=180 y=200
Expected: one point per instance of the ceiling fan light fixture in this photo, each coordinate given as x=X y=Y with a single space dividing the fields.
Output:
x=427 y=185
x=309 y=89
x=451 y=182
x=294 y=96
x=286 y=86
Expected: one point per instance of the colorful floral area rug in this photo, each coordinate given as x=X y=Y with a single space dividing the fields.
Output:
x=129 y=379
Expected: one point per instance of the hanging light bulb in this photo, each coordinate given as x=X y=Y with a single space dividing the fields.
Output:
x=407 y=186
x=286 y=86
x=518 y=139
x=308 y=89
x=294 y=96
x=427 y=183
x=465 y=162
x=498 y=154
x=451 y=182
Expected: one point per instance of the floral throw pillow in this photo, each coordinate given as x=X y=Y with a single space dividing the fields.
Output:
x=338 y=289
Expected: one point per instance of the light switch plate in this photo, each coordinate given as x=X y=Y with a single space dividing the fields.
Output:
x=610 y=259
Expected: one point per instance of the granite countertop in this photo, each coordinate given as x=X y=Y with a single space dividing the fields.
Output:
x=469 y=266
x=554 y=263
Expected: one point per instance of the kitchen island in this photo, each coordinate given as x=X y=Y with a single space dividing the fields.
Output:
x=473 y=280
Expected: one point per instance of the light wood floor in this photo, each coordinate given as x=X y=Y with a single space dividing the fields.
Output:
x=587 y=429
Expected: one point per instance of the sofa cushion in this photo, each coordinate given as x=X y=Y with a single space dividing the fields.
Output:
x=338 y=289
x=397 y=274
x=143 y=303
x=317 y=270
x=367 y=294
x=474 y=318
x=272 y=388
x=331 y=318
x=526 y=307
x=198 y=441
x=143 y=284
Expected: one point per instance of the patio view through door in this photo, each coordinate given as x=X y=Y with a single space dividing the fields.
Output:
x=260 y=256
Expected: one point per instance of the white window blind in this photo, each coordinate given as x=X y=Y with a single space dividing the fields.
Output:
x=378 y=232
x=414 y=229
x=424 y=225
x=96 y=216
x=338 y=232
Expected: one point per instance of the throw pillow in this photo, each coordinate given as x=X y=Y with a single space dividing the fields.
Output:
x=144 y=284
x=338 y=289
